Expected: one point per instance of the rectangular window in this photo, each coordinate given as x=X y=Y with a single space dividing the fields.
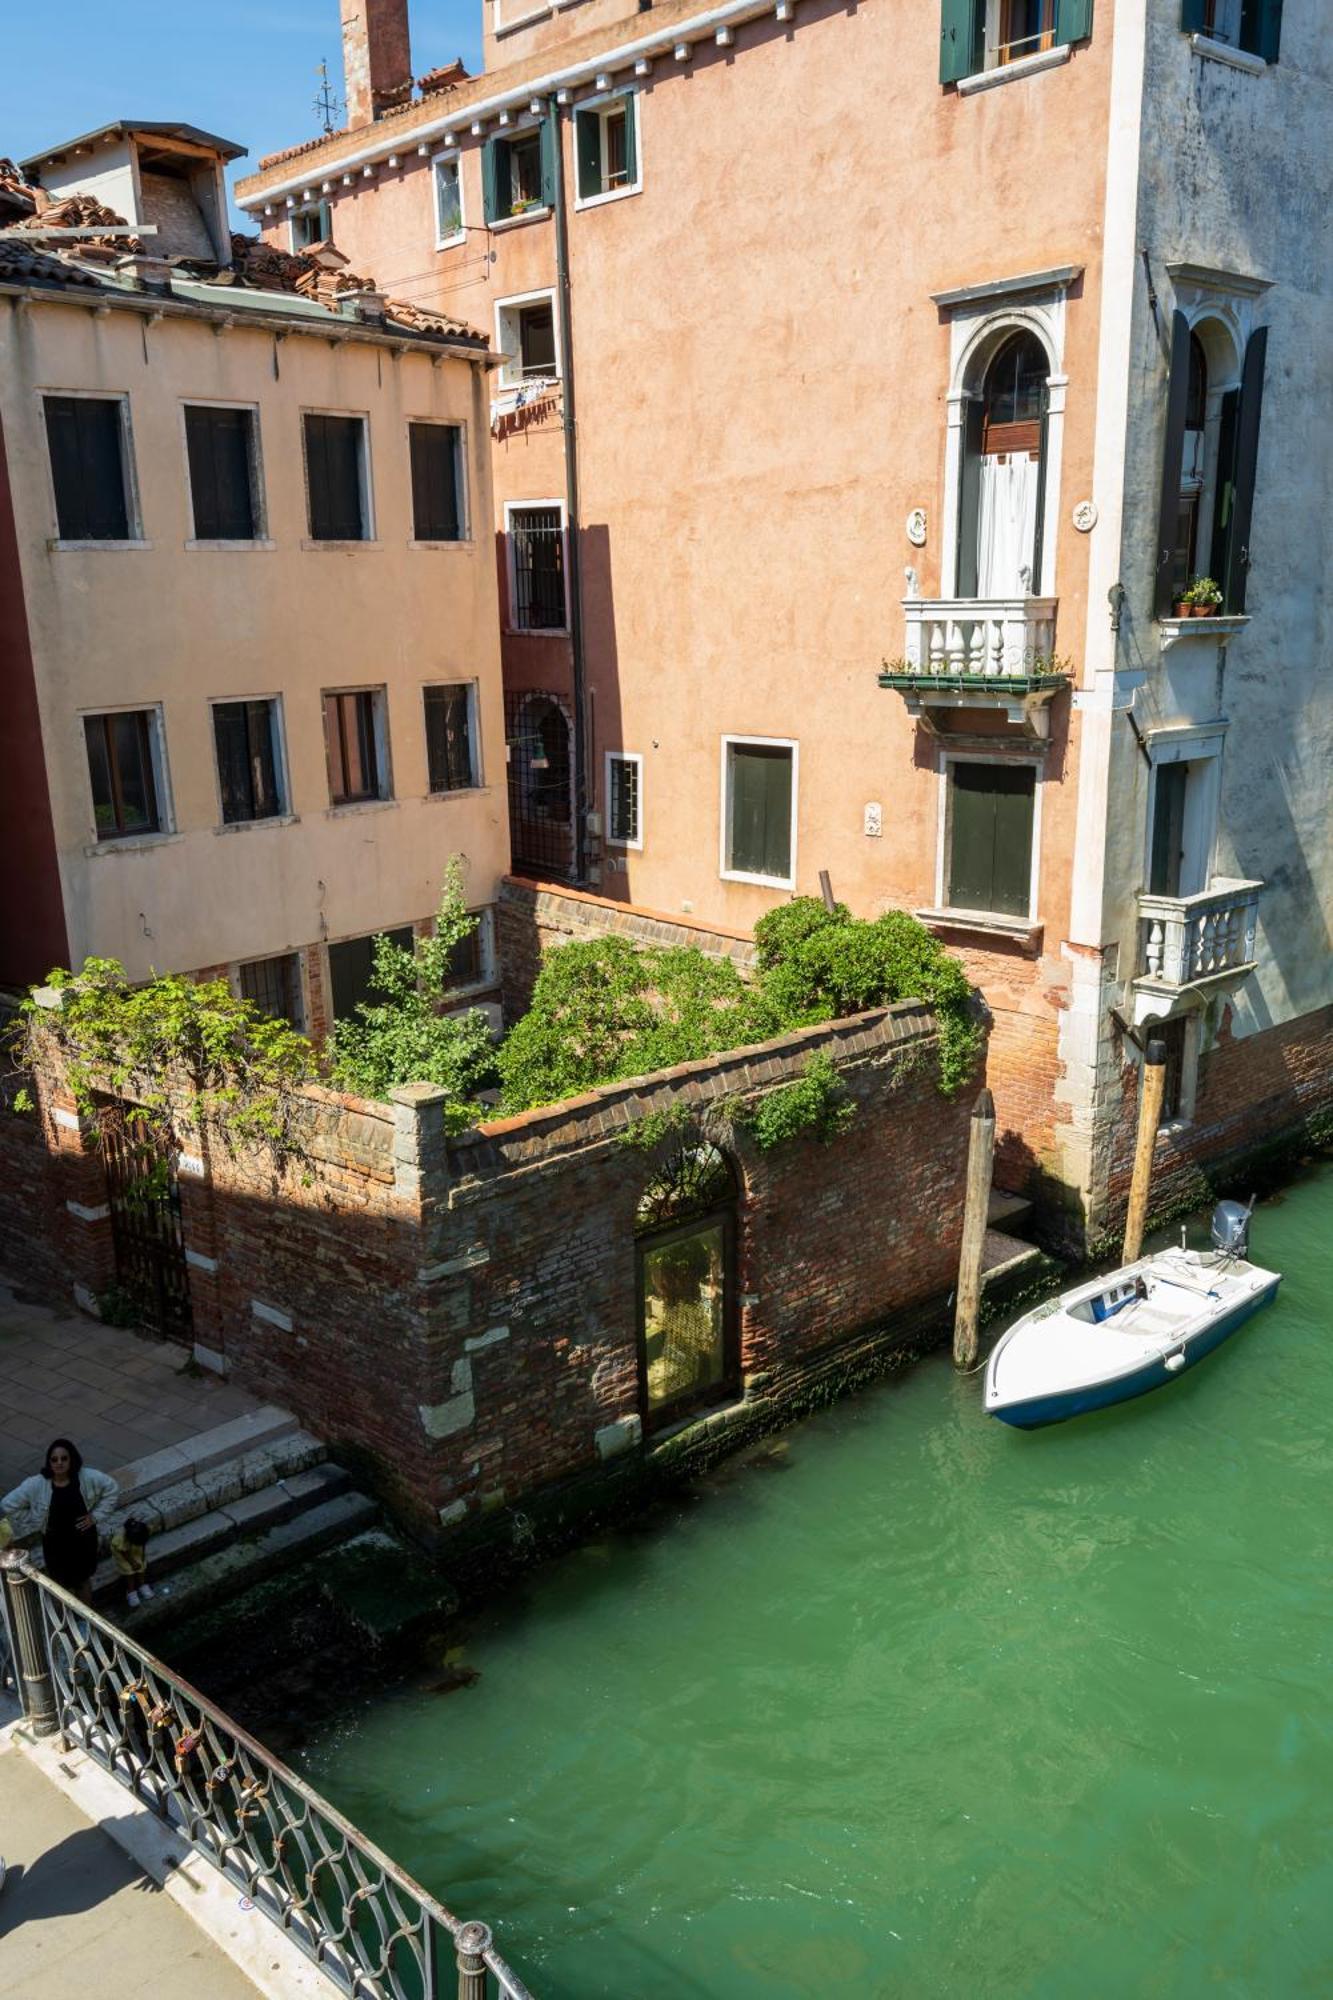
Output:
x=526 y=335
x=337 y=478
x=759 y=786
x=606 y=148
x=1170 y=786
x=450 y=737
x=977 y=35
x=355 y=735
x=1252 y=25
x=1174 y=1035
x=436 y=452
x=352 y=971
x=448 y=200
x=312 y=225
x=991 y=809
x=273 y=987
x=249 y=760
x=122 y=764
x=687 y=1354
x=220 y=447
x=624 y=782
x=537 y=568
x=88 y=445
x=517 y=173
x=467 y=960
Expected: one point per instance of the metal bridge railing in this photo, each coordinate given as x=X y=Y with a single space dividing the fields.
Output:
x=370 y=1928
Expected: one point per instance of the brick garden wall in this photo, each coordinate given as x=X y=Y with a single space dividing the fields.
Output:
x=460 y=1317
x=1264 y=1091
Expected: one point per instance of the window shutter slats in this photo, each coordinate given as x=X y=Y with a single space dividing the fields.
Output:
x=548 y=162
x=1173 y=460
x=1247 y=460
x=1073 y=21
x=494 y=158
x=958 y=39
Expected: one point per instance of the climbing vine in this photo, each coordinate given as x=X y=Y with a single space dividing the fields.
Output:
x=815 y=1105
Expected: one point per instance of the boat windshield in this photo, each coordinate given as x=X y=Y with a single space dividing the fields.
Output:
x=1103 y=1305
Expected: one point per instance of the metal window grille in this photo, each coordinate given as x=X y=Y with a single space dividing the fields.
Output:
x=537 y=555
x=622 y=806
x=541 y=785
x=273 y=985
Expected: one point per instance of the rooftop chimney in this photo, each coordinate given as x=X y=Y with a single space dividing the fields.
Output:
x=377 y=58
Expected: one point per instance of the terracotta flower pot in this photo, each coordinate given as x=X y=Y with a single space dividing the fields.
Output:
x=1183 y=610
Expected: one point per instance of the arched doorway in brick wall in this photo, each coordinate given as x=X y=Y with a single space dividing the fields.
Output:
x=685 y=1243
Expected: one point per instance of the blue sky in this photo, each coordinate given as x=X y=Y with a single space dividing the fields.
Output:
x=237 y=67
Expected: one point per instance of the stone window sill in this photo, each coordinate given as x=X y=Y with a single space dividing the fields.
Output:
x=459 y=792
x=1014 y=72
x=1211 y=51
x=258 y=825
x=359 y=806
x=133 y=843
x=541 y=214
x=310 y=543
x=233 y=547
x=1173 y=630
x=55 y=544
x=459 y=542
x=986 y=923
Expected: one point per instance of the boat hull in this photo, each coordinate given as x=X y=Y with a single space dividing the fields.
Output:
x=1055 y=1407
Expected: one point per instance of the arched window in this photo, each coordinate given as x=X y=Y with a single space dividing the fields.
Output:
x=1003 y=489
x=685 y=1230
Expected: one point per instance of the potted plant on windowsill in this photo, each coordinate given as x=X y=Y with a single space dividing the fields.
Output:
x=1203 y=599
x=523 y=204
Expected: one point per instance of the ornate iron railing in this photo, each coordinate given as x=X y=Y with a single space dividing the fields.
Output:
x=371 y=1929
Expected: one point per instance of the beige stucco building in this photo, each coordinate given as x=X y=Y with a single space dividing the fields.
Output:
x=246 y=597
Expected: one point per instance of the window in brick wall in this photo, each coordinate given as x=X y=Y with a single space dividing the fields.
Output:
x=352 y=971
x=273 y=986
x=685 y=1231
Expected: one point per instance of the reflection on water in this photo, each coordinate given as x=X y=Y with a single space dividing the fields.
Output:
x=945 y=1709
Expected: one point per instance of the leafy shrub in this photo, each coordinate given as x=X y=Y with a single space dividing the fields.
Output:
x=406 y=1037
x=782 y=931
x=817 y=1103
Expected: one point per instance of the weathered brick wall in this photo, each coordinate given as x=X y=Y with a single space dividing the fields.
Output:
x=1252 y=1094
x=532 y=917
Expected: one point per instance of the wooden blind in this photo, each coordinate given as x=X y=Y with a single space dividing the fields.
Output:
x=218 y=444
x=990 y=849
x=333 y=447
x=437 y=514
x=85 y=441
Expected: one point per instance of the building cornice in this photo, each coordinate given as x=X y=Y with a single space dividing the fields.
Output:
x=396 y=135
x=1058 y=279
x=1210 y=280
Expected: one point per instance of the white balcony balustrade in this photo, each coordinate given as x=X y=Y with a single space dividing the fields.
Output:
x=1189 y=940
x=982 y=638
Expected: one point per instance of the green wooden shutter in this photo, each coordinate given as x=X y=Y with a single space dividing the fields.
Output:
x=961 y=31
x=969 y=497
x=1039 y=534
x=548 y=160
x=588 y=153
x=990 y=846
x=494 y=179
x=1194 y=16
x=631 y=137
x=1173 y=461
x=1224 y=502
x=1269 y=39
x=1247 y=460
x=1073 y=20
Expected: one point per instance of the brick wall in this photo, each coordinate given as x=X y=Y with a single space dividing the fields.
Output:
x=460 y=1316
x=532 y=917
x=1253 y=1094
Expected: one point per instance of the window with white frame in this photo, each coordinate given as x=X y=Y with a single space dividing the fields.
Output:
x=311 y=224
x=759 y=810
x=624 y=798
x=88 y=443
x=536 y=537
x=990 y=814
x=526 y=336
x=127 y=773
x=452 y=760
x=606 y=147
x=978 y=35
x=449 y=226
x=517 y=173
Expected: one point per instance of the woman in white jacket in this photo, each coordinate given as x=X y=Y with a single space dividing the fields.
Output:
x=66 y=1503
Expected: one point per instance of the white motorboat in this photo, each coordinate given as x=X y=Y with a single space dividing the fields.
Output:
x=1138 y=1329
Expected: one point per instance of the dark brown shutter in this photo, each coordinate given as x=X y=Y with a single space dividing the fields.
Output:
x=1247 y=461
x=436 y=514
x=1173 y=461
x=87 y=468
x=969 y=496
x=218 y=443
x=333 y=474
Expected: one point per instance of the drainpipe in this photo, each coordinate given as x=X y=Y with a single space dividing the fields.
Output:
x=555 y=125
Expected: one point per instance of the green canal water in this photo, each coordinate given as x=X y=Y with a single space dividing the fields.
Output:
x=920 y=1705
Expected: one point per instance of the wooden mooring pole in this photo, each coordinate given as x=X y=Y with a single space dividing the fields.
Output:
x=976 y=1210
x=1151 y=1088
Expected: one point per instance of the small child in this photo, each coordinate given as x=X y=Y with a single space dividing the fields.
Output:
x=129 y=1547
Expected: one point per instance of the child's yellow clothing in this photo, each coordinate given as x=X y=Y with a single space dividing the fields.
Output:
x=131 y=1558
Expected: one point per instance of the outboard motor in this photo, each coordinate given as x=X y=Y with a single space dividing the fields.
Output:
x=1231 y=1227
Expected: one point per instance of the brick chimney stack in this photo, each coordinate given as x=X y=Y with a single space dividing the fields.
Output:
x=377 y=58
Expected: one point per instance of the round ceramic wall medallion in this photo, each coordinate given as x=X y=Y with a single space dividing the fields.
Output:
x=1085 y=516
x=916 y=527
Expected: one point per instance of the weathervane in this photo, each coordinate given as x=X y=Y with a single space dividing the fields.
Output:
x=327 y=104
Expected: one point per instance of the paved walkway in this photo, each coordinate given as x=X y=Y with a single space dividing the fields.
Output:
x=78 y=1918
x=119 y=1395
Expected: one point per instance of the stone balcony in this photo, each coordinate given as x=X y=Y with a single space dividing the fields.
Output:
x=980 y=652
x=1194 y=943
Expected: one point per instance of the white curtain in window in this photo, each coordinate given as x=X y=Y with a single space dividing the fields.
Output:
x=1006 y=524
